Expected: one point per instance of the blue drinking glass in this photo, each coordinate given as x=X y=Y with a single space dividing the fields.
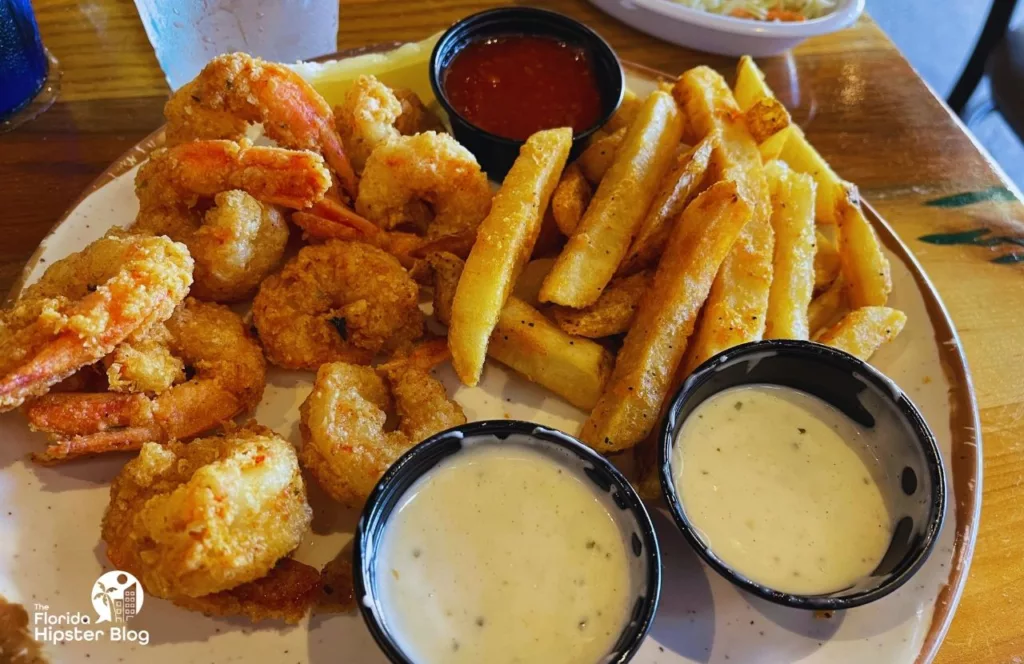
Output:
x=24 y=63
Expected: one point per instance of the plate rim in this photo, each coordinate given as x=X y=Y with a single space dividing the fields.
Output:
x=965 y=422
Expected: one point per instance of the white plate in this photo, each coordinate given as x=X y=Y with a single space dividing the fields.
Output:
x=51 y=554
x=726 y=35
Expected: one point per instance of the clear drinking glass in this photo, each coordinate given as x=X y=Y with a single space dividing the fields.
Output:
x=186 y=34
x=28 y=73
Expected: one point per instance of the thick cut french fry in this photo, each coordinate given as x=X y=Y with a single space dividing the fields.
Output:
x=677 y=189
x=863 y=331
x=750 y=84
x=570 y=200
x=527 y=342
x=528 y=284
x=611 y=314
x=765 y=115
x=654 y=347
x=503 y=244
x=772 y=146
x=827 y=308
x=826 y=262
x=793 y=264
x=801 y=156
x=736 y=308
x=627 y=110
x=713 y=112
x=599 y=155
x=864 y=265
x=594 y=252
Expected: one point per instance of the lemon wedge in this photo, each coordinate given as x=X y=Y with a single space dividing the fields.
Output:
x=404 y=67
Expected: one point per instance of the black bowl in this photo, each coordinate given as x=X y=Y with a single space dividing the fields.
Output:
x=426 y=455
x=496 y=153
x=918 y=491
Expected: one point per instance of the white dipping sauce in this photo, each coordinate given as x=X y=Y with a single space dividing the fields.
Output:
x=783 y=488
x=503 y=554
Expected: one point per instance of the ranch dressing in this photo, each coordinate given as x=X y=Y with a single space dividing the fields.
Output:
x=503 y=554
x=783 y=488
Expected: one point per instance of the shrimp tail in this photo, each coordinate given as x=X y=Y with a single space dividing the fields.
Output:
x=129 y=439
x=81 y=414
x=293 y=178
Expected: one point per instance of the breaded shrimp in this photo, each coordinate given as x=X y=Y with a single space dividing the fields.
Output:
x=183 y=173
x=373 y=114
x=83 y=306
x=190 y=519
x=345 y=445
x=342 y=301
x=366 y=118
x=427 y=181
x=236 y=89
x=242 y=237
x=235 y=244
x=223 y=375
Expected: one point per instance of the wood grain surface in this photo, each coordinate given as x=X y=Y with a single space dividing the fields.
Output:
x=860 y=103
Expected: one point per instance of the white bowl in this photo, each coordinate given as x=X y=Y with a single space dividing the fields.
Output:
x=725 y=35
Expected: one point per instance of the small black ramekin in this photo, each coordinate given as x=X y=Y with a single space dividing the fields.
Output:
x=918 y=490
x=426 y=455
x=496 y=153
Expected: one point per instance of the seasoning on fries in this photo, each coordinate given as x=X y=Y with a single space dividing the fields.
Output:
x=677 y=189
x=570 y=200
x=793 y=265
x=738 y=303
x=594 y=252
x=867 y=272
x=527 y=342
x=654 y=347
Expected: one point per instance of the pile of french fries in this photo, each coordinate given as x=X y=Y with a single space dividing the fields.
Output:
x=697 y=219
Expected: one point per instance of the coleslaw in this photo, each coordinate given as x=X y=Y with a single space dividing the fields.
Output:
x=765 y=10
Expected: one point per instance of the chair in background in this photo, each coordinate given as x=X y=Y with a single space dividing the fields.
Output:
x=1000 y=54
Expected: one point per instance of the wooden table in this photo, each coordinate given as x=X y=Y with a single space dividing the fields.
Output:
x=861 y=103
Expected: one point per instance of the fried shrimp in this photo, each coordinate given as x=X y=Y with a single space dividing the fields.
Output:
x=345 y=444
x=427 y=181
x=235 y=244
x=191 y=519
x=366 y=118
x=184 y=173
x=373 y=114
x=339 y=301
x=83 y=306
x=222 y=374
x=234 y=90
x=242 y=237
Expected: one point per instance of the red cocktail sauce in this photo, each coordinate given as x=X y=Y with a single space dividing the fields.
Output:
x=516 y=85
